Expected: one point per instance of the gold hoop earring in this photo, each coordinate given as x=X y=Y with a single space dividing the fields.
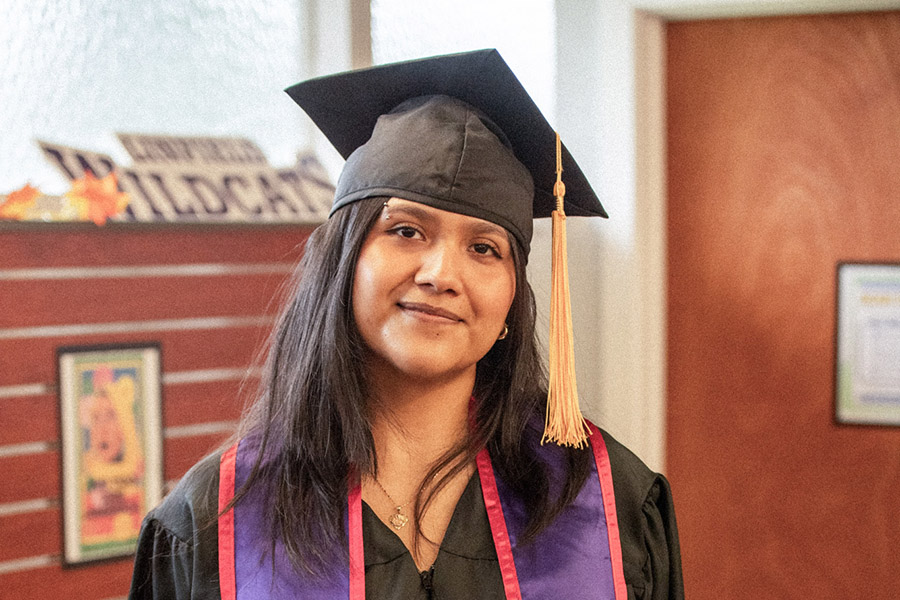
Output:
x=505 y=332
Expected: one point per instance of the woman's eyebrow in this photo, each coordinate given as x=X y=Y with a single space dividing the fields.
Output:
x=486 y=228
x=477 y=227
x=411 y=210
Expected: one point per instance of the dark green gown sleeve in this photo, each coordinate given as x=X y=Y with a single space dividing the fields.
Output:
x=177 y=555
x=649 y=534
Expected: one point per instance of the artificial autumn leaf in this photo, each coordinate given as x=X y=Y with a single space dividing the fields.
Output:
x=19 y=202
x=97 y=199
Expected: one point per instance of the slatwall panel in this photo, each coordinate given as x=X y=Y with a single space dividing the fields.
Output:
x=204 y=293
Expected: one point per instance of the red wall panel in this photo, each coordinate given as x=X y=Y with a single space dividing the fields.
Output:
x=26 y=361
x=210 y=328
x=26 y=245
x=103 y=580
x=29 y=476
x=42 y=303
x=36 y=418
x=29 y=419
x=34 y=533
x=206 y=402
x=182 y=453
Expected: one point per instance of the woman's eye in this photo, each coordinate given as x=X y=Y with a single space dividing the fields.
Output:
x=405 y=231
x=485 y=249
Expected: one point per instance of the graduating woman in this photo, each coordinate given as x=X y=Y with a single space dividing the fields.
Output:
x=400 y=446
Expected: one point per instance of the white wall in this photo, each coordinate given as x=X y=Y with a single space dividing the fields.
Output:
x=618 y=318
x=610 y=112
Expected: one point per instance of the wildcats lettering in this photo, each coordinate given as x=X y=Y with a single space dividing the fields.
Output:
x=204 y=180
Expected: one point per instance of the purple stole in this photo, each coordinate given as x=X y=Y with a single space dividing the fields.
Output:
x=578 y=557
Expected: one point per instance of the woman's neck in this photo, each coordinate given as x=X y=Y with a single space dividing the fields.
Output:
x=414 y=423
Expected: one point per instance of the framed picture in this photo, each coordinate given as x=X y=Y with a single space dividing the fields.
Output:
x=111 y=447
x=867 y=357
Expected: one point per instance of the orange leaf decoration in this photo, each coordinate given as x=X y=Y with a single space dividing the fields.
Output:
x=18 y=203
x=97 y=199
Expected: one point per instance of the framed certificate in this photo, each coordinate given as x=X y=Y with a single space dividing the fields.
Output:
x=867 y=357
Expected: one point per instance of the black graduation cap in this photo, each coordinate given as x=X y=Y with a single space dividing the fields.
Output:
x=428 y=130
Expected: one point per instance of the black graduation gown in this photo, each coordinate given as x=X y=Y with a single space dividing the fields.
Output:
x=177 y=555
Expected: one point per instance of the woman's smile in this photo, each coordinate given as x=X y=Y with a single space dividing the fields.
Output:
x=427 y=312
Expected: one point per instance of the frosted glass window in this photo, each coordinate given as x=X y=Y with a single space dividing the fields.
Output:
x=73 y=72
x=522 y=30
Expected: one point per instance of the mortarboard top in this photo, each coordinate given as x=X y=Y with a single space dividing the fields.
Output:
x=347 y=106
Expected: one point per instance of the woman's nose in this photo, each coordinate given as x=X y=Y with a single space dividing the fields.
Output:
x=440 y=269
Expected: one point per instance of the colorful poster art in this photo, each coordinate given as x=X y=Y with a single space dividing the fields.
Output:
x=111 y=447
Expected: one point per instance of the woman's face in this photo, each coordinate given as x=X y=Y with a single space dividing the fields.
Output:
x=431 y=290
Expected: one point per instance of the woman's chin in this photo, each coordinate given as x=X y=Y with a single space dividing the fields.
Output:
x=423 y=370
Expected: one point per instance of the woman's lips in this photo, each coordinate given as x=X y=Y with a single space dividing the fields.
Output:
x=432 y=311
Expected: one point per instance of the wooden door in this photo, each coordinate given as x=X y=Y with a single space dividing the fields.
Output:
x=783 y=159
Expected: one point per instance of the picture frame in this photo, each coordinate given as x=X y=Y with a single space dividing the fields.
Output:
x=111 y=447
x=867 y=344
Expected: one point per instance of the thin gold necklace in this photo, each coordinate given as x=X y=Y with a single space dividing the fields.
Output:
x=398 y=520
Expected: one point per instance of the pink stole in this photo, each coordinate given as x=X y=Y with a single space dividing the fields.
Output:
x=578 y=557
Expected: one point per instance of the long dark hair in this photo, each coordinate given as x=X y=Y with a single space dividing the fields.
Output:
x=311 y=419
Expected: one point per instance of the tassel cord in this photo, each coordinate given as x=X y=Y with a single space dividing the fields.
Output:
x=564 y=423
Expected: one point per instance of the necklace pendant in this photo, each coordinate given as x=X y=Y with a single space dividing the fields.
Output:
x=398 y=520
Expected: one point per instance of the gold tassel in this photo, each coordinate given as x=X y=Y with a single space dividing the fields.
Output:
x=564 y=423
